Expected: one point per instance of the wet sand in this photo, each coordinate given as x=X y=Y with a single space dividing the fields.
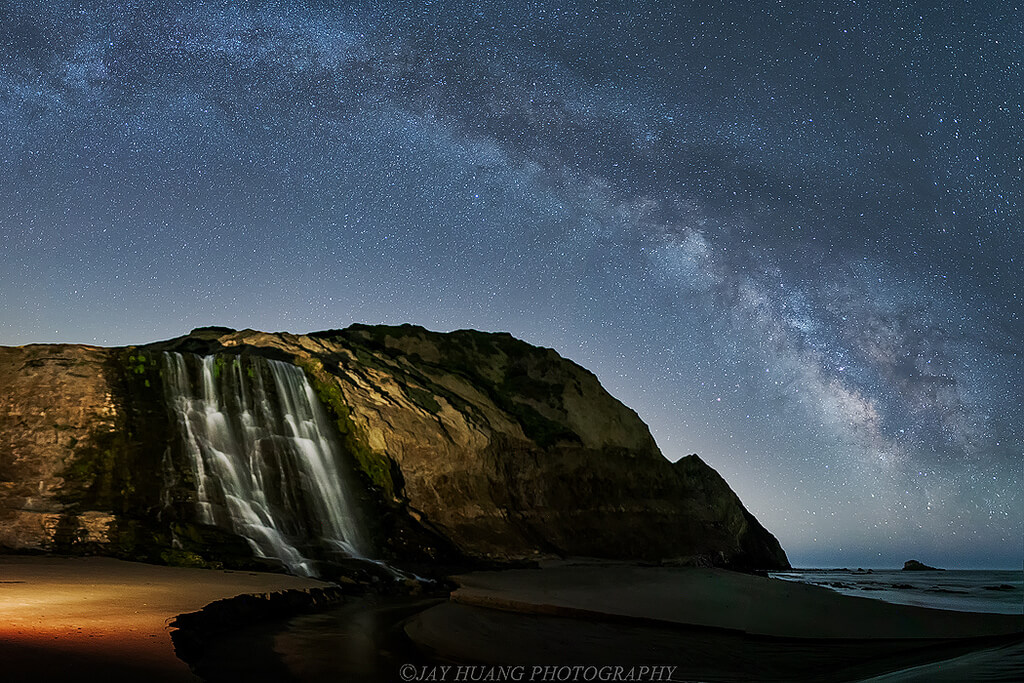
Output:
x=84 y=619
x=712 y=625
x=715 y=598
x=1002 y=663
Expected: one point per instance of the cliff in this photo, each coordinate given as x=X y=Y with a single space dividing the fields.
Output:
x=464 y=445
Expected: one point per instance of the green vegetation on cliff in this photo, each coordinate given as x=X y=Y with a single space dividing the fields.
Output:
x=507 y=450
x=376 y=466
x=511 y=372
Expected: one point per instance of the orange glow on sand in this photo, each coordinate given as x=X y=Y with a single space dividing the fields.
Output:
x=66 y=616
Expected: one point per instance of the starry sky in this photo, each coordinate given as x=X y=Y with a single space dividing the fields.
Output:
x=788 y=234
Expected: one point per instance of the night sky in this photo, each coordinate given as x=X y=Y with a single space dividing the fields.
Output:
x=788 y=235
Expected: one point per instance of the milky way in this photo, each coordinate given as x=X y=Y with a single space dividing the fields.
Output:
x=788 y=235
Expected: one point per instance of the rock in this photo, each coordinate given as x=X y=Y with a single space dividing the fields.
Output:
x=469 y=446
x=58 y=417
x=915 y=566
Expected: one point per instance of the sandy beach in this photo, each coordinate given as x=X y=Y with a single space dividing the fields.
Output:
x=104 y=619
x=101 y=619
x=719 y=599
x=712 y=625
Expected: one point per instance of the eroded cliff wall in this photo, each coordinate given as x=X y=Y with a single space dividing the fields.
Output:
x=466 y=443
x=57 y=402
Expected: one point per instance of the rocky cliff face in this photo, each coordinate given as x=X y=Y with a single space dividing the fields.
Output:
x=56 y=401
x=467 y=445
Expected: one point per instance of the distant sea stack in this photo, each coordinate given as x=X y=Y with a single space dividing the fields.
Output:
x=915 y=566
x=457 y=446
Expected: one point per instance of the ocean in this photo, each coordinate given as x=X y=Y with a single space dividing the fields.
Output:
x=993 y=591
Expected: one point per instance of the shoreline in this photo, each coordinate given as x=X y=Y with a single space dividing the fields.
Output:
x=718 y=599
x=713 y=625
x=84 y=619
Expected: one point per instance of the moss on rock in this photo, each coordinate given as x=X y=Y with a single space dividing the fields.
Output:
x=424 y=399
x=376 y=466
x=98 y=477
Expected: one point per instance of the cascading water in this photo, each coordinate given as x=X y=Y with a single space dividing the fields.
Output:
x=264 y=463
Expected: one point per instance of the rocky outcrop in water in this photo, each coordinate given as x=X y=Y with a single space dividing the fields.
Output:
x=915 y=566
x=460 y=445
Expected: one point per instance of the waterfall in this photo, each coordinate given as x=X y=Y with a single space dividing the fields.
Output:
x=263 y=457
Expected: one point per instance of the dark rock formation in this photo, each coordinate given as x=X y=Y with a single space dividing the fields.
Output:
x=915 y=566
x=469 y=445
